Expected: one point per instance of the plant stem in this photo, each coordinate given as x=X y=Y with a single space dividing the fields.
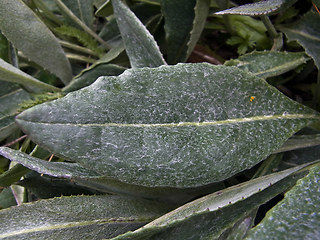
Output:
x=276 y=37
x=77 y=48
x=67 y=11
x=80 y=58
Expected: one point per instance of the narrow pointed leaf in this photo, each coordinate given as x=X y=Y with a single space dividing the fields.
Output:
x=298 y=142
x=305 y=32
x=141 y=47
x=88 y=76
x=266 y=7
x=171 y=126
x=27 y=33
x=11 y=74
x=209 y=216
x=268 y=63
x=10 y=98
x=88 y=178
x=184 y=22
x=297 y=215
x=78 y=217
x=7 y=199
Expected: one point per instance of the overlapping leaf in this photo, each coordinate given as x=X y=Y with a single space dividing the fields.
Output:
x=297 y=215
x=259 y=8
x=268 y=63
x=83 y=9
x=209 y=216
x=174 y=126
x=305 y=31
x=27 y=33
x=141 y=47
x=78 y=217
x=10 y=98
x=184 y=22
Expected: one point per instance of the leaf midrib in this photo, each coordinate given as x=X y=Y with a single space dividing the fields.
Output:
x=73 y=224
x=186 y=124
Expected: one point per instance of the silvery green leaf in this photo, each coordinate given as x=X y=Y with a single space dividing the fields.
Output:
x=141 y=47
x=297 y=215
x=177 y=126
x=268 y=63
x=208 y=217
x=29 y=34
x=78 y=217
x=265 y=7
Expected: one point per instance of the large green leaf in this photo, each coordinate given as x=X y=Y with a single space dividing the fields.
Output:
x=26 y=31
x=141 y=47
x=88 y=178
x=177 y=126
x=11 y=74
x=208 y=217
x=184 y=22
x=78 y=217
x=305 y=31
x=259 y=8
x=268 y=63
x=297 y=215
x=10 y=98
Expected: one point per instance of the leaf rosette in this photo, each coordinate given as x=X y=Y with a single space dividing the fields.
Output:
x=178 y=126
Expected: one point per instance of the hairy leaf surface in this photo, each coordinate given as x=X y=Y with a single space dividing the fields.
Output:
x=78 y=217
x=27 y=33
x=268 y=63
x=259 y=8
x=209 y=216
x=141 y=47
x=180 y=126
x=297 y=215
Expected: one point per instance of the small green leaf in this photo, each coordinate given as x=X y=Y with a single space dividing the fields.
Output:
x=105 y=9
x=208 y=217
x=268 y=63
x=27 y=33
x=172 y=126
x=11 y=74
x=305 y=32
x=184 y=22
x=141 y=47
x=88 y=76
x=78 y=217
x=6 y=198
x=297 y=215
x=266 y=7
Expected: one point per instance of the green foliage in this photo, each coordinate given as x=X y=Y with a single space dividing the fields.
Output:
x=114 y=143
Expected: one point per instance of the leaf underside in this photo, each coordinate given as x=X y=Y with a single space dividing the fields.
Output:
x=170 y=126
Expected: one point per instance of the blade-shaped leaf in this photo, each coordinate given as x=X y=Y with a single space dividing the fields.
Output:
x=172 y=126
x=265 y=7
x=26 y=31
x=268 y=63
x=184 y=21
x=10 y=98
x=88 y=76
x=6 y=198
x=88 y=178
x=209 y=216
x=11 y=74
x=141 y=47
x=78 y=217
x=297 y=215
x=305 y=31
